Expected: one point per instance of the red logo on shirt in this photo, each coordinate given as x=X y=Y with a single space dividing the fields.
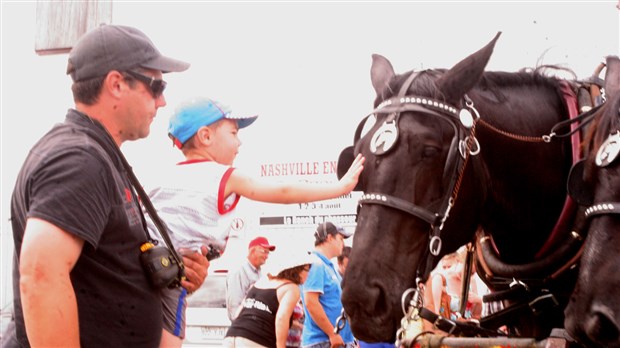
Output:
x=128 y=194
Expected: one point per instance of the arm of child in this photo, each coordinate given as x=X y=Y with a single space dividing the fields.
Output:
x=437 y=287
x=263 y=191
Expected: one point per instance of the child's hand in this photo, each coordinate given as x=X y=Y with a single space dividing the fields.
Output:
x=349 y=180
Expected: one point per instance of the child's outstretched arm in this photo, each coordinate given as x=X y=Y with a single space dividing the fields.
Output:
x=264 y=191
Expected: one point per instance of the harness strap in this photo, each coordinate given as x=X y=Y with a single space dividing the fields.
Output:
x=457 y=328
x=539 y=268
x=604 y=208
x=401 y=204
x=516 y=292
x=540 y=304
x=568 y=210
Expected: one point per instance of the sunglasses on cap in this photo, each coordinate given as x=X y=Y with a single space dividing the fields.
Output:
x=155 y=86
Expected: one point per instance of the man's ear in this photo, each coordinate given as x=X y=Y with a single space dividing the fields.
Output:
x=113 y=83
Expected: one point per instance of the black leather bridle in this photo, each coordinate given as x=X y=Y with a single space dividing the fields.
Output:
x=463 y=125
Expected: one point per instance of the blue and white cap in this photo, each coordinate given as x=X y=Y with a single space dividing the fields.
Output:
x=191 y=116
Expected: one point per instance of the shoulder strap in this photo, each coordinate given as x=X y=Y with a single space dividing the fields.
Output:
x=144 y=198
x=281 y=285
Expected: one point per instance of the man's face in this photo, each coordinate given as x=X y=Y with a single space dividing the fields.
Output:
x=259 y=256
x=337 y=242
x=140 y=103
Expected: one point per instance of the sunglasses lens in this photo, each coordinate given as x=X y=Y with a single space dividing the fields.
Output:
x=157 y=87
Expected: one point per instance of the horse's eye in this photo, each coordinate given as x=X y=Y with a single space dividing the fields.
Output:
x=430 y=152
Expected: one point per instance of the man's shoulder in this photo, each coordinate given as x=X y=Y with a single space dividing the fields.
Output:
x=238 y=270
x=66 y=139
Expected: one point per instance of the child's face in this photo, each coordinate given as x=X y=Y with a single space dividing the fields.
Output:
x=225 y=142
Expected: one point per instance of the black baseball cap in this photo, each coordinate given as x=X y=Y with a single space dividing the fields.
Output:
x=117 y=47
x=325 y=228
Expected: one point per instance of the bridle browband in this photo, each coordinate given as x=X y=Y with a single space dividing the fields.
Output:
x=605 y=208
x=463 y=125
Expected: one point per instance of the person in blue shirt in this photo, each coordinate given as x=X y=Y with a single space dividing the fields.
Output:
x=322 y=291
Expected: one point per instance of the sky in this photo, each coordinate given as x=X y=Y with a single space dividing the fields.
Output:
x=303 y=67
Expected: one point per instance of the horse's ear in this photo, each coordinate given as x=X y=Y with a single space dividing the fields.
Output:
x=346 y=158
x=465 y=75
x=612 y=76
x=381 y=73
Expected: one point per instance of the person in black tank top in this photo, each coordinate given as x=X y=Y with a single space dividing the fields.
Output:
x=266 y=313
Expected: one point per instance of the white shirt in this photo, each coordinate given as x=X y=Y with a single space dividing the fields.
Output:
x=189 y=199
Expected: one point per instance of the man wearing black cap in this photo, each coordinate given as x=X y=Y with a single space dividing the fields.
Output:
x=77 y=225
x=321 y=292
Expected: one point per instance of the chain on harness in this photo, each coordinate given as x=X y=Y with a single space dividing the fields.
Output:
x=411 y=325
x=341 y=322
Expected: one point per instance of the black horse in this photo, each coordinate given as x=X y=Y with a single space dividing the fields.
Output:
x=593 y=314
x=449 y=152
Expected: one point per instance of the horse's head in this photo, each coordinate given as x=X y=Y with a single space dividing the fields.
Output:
x=416 y=145
x=593 y=314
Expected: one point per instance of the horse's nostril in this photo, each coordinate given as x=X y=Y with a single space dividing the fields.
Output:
x=601 y=326
x=381 y=300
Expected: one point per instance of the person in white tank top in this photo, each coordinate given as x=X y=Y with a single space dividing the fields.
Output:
x=196 y=197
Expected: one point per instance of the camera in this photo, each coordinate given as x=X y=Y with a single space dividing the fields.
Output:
x=160 y=266
x=213 y=253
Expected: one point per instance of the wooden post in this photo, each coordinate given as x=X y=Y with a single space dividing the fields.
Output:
x=61 y=23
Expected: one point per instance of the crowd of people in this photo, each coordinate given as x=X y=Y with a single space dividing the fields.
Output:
x=80 y=230
x=296 y=303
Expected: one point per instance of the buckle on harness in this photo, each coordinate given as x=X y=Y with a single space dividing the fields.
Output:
x=543 y=303
x=441 y=323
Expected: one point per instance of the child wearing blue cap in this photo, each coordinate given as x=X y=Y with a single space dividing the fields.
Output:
x=196 y=198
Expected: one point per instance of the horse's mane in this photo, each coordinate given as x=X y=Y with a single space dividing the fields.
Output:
x=492 y=81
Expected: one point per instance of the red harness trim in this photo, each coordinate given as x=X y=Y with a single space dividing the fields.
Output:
x=565 y=220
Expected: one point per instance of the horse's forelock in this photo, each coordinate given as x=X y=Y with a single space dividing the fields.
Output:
x=422 y=85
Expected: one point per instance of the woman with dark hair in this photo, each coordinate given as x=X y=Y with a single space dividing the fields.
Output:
x=267 y=310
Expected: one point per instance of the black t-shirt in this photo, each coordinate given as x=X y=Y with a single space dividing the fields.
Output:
x=257 y=318
x=78 y=184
